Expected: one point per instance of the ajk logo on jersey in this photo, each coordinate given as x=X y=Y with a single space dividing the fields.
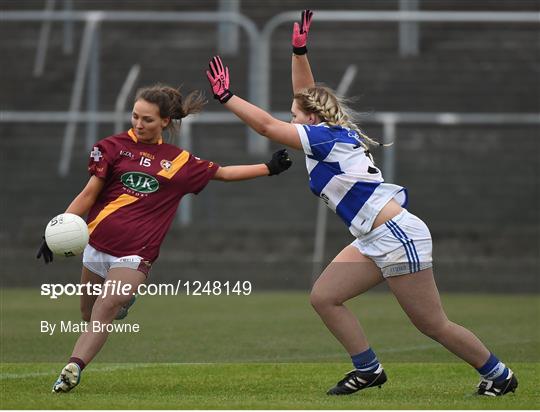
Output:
x=140 y=182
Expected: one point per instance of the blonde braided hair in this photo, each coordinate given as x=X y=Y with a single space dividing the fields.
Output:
x=334 y=111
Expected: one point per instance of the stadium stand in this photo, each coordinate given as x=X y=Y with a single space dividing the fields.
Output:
x=476 y=186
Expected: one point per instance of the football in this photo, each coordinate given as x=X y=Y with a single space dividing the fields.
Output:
x=66 y=235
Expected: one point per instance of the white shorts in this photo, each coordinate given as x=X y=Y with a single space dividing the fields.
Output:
x=398 y=247
x=100 y=263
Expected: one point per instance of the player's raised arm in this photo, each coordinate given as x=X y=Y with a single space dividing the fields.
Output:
x=256 y=118
x=302 y=77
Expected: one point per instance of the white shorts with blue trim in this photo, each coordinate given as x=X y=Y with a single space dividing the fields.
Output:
x=400 y=246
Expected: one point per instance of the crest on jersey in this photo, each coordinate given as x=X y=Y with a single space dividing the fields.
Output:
x=165 y=165
x=96 y=154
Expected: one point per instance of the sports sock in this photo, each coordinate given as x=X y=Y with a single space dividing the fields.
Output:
x=366 y=361
x=78 y=361
x=494 y=369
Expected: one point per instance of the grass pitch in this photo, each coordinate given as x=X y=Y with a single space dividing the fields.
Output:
x=264 y=351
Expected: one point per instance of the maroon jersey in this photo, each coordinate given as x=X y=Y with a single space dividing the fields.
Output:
x=143 y=187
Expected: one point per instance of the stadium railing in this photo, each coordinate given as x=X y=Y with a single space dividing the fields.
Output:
x=88 y=60
x=377 y=16
x=44 y=35
x=259 y=65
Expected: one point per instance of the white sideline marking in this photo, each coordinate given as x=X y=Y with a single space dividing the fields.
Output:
x=35 y=374
x=6 y=376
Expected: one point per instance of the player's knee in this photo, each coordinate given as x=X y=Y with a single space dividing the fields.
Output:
x=321 y=300
x=112 y=305
x=106 y=307
x=316 y=299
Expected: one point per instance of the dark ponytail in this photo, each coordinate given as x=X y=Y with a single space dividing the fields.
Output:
x=171 y=103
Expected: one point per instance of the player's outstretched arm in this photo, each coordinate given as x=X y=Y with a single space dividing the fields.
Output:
x=88 y=196
x=279 y=163
x=256 y=118
x=302 y=77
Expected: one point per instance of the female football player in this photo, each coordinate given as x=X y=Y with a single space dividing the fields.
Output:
x=391 y=244
x=137 y=181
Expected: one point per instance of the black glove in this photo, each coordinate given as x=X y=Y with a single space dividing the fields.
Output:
x=279 y=163
x=45 y=252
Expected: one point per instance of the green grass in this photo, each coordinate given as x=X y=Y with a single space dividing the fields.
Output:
x=265 y=351
x=258 y=386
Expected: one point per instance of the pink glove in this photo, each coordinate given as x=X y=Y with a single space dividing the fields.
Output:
x=218 y=76
x=300 y=33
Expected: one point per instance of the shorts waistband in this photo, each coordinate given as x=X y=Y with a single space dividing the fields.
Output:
x=382 y=229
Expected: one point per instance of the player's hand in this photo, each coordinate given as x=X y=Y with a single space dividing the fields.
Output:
x=218 y=76
x=279 y=163
x=300 y=33
x=45 y=252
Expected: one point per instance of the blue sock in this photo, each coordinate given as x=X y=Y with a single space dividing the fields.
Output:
x=366 y=361
x=494 y=369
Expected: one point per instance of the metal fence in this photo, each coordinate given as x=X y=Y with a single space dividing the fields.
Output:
x=259 y=64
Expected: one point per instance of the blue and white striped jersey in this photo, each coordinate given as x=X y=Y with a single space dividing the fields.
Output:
x=346 y=179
